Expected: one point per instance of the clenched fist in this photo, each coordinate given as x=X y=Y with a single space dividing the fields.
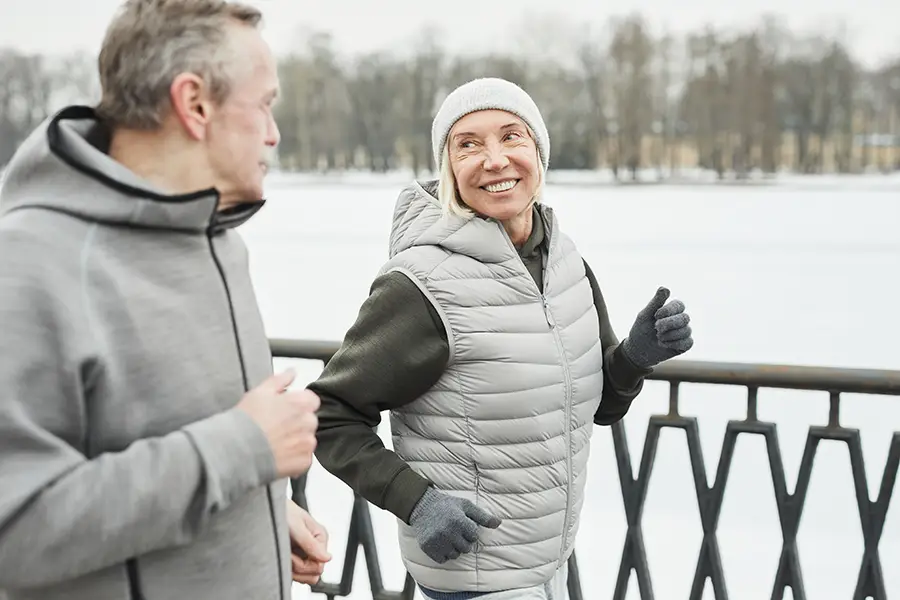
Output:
x=661 y=331
x=288 y=420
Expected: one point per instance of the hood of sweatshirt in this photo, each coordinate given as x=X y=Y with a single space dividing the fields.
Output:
x=64 y=166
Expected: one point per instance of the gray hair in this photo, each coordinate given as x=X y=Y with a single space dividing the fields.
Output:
x=150 y=42
x=448 y=194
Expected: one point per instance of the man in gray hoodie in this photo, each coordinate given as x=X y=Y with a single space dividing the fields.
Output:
x=144 y=441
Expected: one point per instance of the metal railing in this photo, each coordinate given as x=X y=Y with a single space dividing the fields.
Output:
x=834 y=381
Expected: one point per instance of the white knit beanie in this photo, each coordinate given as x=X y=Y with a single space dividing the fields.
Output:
x=484 y=94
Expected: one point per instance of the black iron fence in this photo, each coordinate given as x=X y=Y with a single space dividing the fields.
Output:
x=833 y=381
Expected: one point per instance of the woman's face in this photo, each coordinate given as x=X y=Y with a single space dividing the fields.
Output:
x=495 y=162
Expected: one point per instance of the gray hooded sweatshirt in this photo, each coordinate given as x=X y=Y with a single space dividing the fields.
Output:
x=130 y=332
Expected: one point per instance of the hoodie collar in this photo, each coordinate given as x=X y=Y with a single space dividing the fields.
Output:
x=63 y=165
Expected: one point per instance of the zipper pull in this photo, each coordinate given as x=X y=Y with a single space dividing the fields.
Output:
x=547 y=313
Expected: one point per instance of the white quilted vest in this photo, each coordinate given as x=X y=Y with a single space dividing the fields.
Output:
x=508 y=425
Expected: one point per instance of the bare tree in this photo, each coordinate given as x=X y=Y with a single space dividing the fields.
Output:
x=666 y=85
x=594 y=65
x=375 y=106
x=423 y=81
x=704 y=105
x=631 y=53
x=26 y=94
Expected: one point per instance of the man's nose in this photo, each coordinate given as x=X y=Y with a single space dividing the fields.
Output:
x=273 y=135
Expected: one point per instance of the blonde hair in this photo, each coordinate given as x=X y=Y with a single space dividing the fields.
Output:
x=150 y=42
x=448 y=192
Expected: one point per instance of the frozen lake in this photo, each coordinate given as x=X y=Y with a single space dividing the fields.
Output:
x=805 y=272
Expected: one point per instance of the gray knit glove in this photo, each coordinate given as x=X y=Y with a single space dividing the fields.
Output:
x=660 y=332
x=447 y=526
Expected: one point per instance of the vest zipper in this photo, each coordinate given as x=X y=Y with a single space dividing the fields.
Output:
x=567 y=379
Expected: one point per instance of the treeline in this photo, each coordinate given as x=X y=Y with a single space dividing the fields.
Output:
x=33 y=86
x=619 y=97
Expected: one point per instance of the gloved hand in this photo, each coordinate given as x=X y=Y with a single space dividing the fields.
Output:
x=447 y=526
x=659 y=332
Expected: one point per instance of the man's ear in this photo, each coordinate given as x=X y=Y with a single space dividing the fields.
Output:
x=191 y=104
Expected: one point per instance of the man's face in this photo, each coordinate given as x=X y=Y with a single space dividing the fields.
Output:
x=242 y=130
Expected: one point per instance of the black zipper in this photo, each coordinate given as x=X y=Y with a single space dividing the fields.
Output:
x=134 y=579
x=240 y=353
x=131 y=566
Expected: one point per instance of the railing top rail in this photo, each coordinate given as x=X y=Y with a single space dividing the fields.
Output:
x=828 y=379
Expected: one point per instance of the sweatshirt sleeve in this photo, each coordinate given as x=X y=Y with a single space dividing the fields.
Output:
x=394 y=352
x=64 y=514
x=622 y=380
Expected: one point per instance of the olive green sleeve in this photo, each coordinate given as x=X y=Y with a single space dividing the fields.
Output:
x=622 y=380
x=394 y=352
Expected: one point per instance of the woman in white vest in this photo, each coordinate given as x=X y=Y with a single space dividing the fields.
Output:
x=487 y=338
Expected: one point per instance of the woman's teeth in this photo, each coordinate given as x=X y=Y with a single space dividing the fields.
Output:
x=502 y=186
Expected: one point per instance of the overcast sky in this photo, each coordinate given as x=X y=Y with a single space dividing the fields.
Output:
x=60 y=26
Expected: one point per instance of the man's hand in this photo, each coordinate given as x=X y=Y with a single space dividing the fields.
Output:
x=309 y=543
x=288 y=420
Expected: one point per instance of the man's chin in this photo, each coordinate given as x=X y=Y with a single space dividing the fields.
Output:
x=255 y=193
x=236 y=198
